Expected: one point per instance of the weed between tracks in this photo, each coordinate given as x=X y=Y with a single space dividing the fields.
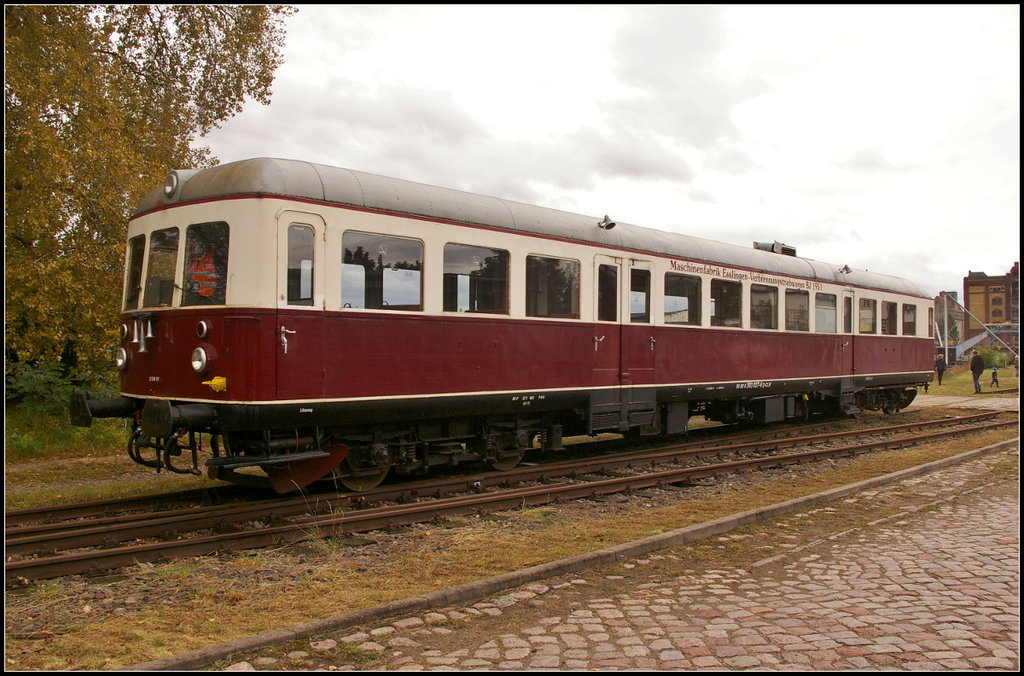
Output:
x=77 y=624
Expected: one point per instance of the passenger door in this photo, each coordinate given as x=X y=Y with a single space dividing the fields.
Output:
x=849 y=330
x=300 y=304
x=624 y=344
x=606 y=397
x=639 y=345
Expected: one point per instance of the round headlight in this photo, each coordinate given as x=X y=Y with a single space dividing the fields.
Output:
x=171 y=183
x=121 y=358
x=199 y=360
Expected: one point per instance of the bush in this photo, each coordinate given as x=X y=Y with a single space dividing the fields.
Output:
x=50 y=385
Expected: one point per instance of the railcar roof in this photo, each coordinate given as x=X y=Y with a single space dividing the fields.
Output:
x=305 y=180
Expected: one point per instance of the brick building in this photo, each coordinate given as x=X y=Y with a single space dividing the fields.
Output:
x=995 y=301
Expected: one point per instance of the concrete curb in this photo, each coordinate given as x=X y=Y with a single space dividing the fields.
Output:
x=196 y=659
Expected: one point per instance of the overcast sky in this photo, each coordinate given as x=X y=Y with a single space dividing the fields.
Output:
x=885 y=138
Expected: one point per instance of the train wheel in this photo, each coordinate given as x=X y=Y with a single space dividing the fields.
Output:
x=507 y=461
x=359 y=481
x=506 y=453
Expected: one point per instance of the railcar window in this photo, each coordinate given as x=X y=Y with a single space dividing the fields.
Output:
x=163 y=258
x=640 y=296
x=889 y=315
x=931 y=322
x=909 y=320
x=381 y=272
x=552 y=287
x=133 y=283
x=764 y=307
x=847 y=315
x=475 y=279
x=300 y=265
x=607 y=293
x=798 y=310
x=682 y=299
x=206 y=264
x=824 y=313
x=726 y=303
x=868 y=315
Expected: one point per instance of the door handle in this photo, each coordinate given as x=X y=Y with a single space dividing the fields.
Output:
x=597 y=341
x=284 y=338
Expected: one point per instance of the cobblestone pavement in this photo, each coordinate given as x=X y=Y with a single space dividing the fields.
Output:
x=933 y=587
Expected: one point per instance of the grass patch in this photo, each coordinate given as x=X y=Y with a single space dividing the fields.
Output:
x=34 y=432
x=48 y=461
x=958 y=382
x=115 y=478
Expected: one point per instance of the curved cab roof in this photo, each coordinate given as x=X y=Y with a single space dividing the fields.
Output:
x=322 y=183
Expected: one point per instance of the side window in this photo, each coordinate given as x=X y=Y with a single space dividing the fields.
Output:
x=726 y=303
x=163 y=257
x=607 y=293
x=909 y=320
x=206 y=264
x=889 y=315
x=682 y=299
x=847 y=314
x=475 y=279
x=824 y=313
x=798 y=311
x=300 y=265
x=931 y=322
x=552 y=287
x=764 y=307
x=868 y=315
x=640 y=296
x=381 y=272
x=133 y=282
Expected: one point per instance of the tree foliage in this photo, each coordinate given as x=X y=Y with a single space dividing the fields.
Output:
x=100 y=102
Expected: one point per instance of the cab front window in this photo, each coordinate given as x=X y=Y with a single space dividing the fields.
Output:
x=133 y=281
x=163 y=257
x=206 y=264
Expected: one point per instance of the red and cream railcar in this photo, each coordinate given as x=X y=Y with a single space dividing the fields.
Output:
x=312 y=320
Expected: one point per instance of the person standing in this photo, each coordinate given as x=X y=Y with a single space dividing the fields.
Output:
x=940 y=367
x=977 y=368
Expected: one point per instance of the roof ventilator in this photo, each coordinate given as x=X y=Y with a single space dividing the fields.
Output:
x=776 y=247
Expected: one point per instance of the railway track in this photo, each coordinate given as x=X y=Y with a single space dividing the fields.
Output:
x=43 y=550
x=148 y=506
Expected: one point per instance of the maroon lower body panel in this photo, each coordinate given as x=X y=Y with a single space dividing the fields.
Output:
x=332 y=356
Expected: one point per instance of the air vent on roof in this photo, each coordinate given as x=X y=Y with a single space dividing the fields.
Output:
x=776 y=247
